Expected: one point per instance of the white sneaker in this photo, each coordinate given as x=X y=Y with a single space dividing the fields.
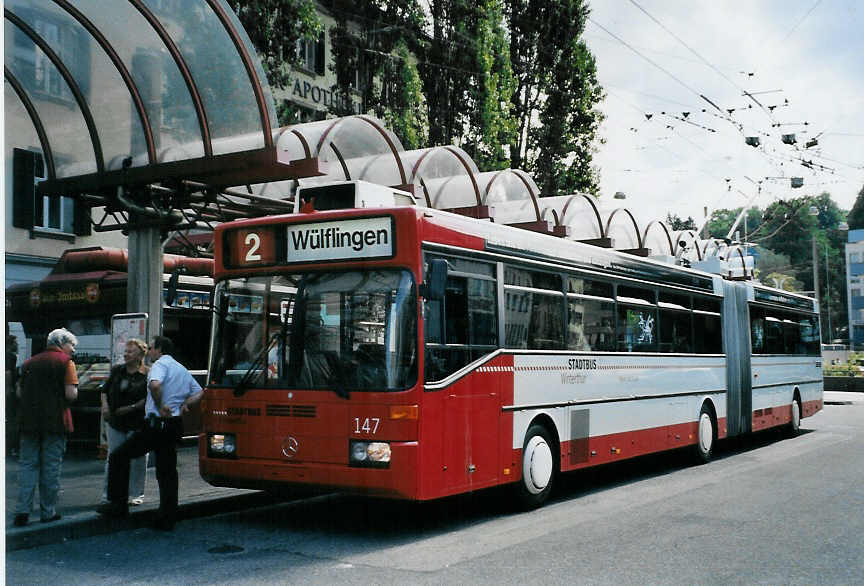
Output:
x=138 y=500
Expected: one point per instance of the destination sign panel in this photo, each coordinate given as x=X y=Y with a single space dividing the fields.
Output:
x=365 y=238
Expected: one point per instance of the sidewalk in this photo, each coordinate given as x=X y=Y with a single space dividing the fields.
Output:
x=843 y=398
x=81 y=491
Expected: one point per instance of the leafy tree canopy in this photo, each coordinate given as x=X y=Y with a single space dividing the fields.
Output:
x=856 y=215
x=274 y=27
x=674 y=222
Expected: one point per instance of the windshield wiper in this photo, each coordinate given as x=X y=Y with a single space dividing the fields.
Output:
x=259 y=363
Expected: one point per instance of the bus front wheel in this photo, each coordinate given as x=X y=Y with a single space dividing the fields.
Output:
x=538 y=468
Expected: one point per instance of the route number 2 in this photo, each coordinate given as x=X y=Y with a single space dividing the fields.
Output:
x=368 y=425
x=253 y=240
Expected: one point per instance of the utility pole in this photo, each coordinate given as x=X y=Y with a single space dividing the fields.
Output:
x=816 y=273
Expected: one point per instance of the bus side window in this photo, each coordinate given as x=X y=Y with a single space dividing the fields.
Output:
x=757 y=331
x=591 y=324
x=676 y=323
x=470 y=321
x=708 y=338
x=637 y=319
x=535 y=309
x=809 y=335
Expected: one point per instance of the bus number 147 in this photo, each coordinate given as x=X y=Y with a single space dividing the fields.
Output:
x=368 y=425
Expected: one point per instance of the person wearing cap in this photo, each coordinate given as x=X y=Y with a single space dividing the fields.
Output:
x=48 y=384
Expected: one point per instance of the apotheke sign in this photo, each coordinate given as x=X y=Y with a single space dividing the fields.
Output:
x=308 y=91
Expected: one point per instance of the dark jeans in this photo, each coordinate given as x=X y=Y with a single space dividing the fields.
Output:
x=161 y=440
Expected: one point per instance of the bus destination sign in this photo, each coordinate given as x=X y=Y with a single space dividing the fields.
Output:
x=345 y=239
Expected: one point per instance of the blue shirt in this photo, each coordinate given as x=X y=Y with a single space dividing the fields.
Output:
x=177 y=385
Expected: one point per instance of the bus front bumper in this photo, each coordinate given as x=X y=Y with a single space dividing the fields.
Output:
x=399 y=480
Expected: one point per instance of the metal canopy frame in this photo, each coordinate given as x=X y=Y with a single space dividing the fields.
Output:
x=49 y=24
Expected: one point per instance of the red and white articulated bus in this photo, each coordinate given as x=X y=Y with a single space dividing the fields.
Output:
x=412 y=353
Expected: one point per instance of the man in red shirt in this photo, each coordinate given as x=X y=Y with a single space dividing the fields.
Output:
x=48 y=383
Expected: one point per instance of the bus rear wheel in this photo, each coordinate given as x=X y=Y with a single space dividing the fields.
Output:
x=795 y=424
x=538 y=468
x=706 y=435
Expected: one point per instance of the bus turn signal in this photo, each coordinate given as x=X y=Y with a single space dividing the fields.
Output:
x=404 y=411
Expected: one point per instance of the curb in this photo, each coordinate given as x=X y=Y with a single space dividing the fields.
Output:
x=89 y=524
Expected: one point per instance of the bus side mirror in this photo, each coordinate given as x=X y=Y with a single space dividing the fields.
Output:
x=220 y=304
x=436 y=280
x=173 y=282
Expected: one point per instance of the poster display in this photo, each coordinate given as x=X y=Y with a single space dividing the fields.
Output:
x=123 y=327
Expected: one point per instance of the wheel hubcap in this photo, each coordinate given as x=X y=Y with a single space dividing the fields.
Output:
x=537 y=465
x=706 y=433
x=796 y=415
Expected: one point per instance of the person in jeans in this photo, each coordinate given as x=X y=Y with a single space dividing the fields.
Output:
x=48 y=382
x=11 y=395
x=123 y=398
x=172 y=390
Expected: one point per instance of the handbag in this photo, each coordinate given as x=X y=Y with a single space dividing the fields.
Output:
x=67 y=420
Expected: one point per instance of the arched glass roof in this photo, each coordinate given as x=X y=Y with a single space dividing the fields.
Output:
x=622 y=228
x=492 y=188
x=658 y=238
x=579 y=213
x=135 y=83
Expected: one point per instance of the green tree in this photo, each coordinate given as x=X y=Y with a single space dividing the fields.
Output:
x=556 y=94
x=468 y=79
x=790 y=229
x=274 y=27
x=856 y=215
x=491 y=127
x=377 y=60
x=722 y=220
x=674 y=222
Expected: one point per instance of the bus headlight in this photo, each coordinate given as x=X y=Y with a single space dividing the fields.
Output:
x=369 y=454
x=221 y=445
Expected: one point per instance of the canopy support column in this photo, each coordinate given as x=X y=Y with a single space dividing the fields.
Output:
x=144 y=290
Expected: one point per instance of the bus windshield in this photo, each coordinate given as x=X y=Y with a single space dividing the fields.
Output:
x=342 y=331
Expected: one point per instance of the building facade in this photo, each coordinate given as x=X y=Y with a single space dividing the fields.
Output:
x=855 y=286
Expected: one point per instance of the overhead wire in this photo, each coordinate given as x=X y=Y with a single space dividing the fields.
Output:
x=702 y=59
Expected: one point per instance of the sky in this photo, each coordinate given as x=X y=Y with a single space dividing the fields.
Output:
x=804 y=57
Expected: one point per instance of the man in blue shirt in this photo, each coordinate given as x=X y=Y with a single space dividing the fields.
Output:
x=172 y=390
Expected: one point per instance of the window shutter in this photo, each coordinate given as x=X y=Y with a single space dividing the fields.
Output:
x=81 y=219
x=26 y=166
x=319 y=55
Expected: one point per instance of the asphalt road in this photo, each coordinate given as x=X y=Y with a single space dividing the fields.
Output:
x=771 y=510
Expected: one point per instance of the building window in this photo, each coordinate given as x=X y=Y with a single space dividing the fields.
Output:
x=42 y=77
x=310 y=54
x=30 y=211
